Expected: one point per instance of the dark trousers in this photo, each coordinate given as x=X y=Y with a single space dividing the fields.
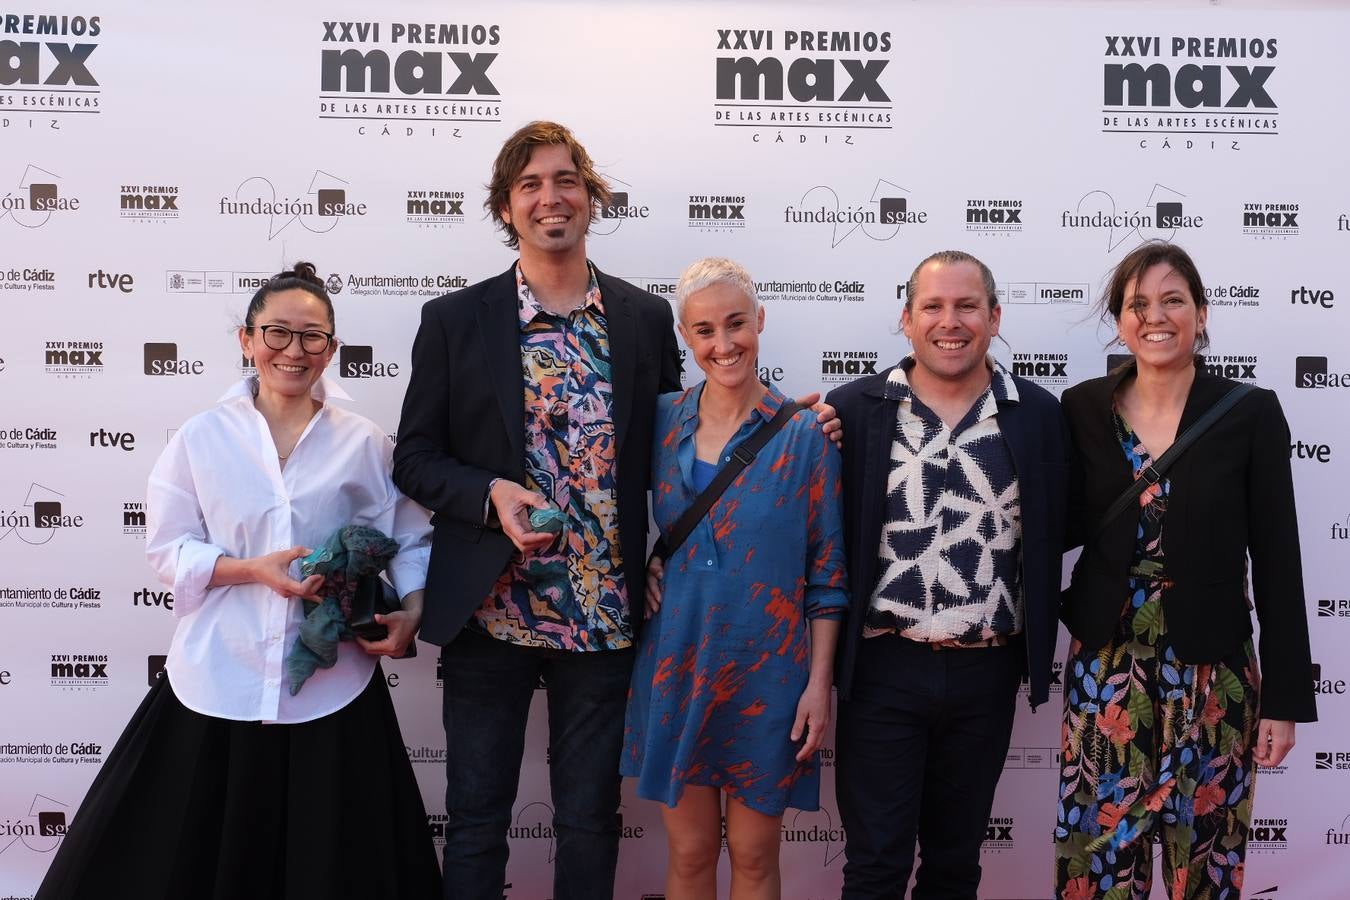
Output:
x=922 y=740
x=488 y=685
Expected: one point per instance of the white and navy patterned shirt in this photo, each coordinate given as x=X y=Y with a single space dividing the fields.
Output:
x=951 y=544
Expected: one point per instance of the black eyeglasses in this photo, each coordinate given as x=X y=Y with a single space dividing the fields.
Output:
x=279 y=337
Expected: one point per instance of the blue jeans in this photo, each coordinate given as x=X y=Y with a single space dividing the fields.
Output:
x=921 y=743
x=486 y=702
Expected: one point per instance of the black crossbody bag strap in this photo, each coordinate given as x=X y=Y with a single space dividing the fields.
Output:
x=1154 y=473
x=741 y=457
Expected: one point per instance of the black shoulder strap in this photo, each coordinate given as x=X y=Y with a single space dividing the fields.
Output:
x=741 y=457
x=1154 y=473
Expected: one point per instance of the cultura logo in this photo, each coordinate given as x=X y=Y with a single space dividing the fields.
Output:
x=188 y=281
x=433 y=76
x=1235 y=295
x=1192 y=87
x=886 y=207
x=162 y=359
x=29 y=438
x=318 y=210
x=1312 y=372
x=357 y=361
x=828 y=80
x=149 y=202
x=717 y=212
x=38 y=198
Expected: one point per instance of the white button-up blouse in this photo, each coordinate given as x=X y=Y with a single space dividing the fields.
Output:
x=219 y=488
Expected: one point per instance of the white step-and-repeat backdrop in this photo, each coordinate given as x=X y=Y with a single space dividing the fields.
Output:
x=158 y=159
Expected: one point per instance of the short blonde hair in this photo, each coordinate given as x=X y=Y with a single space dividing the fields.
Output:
x=711 y=270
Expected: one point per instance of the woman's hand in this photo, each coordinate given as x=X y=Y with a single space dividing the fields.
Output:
x=1274 y=740
x=656 y=574
x=813 y=717
x=273 y=570
x=402 y=627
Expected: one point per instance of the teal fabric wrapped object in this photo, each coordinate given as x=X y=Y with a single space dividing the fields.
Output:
x=549 y=520
x=349 y=553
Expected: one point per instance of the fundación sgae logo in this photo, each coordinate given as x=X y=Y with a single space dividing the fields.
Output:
x=37 y=199
x=38 y=825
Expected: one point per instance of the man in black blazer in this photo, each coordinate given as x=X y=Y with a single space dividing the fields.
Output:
x=955 y=498
x=530 y=391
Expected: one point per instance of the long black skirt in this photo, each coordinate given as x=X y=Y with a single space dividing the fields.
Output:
x=188 y=805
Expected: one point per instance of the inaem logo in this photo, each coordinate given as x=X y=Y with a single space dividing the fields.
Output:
x=162 y=359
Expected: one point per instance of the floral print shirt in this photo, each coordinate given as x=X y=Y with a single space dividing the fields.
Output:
x=572 y=594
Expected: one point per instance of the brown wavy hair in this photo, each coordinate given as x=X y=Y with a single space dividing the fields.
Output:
x=515 y=156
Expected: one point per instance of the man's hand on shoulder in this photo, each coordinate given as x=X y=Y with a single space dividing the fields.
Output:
x=512 y=504
x=830 y=424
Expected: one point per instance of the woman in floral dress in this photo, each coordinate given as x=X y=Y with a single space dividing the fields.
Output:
x=1167 y=713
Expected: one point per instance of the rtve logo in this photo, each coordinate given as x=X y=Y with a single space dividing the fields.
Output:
x=109 y=280
x=1312 y=297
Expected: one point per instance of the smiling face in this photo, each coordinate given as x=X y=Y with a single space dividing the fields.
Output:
x=548 y=205
x=950 y=322
x=290 y=372
x=1159 y=321
x=721 y=327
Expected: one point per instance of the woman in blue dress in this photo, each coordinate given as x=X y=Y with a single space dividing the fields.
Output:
x=731 y=690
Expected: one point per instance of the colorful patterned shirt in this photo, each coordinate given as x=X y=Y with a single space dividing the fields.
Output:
x=951 y=547
x=571 y=595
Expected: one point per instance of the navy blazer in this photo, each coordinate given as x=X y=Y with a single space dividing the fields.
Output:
x=1041 y=452
x=463 y=424
x=1232 y=494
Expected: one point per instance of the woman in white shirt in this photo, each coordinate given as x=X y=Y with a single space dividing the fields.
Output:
x=224 y=785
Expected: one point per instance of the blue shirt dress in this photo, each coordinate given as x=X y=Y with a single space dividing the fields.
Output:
x=721 y=666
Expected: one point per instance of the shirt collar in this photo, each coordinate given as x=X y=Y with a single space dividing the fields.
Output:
x=530 y=308
x=324 y=389
x=765 y=410
x=1000 y=381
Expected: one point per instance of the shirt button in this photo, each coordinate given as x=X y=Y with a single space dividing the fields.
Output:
x=726 y=459
x=710 y=562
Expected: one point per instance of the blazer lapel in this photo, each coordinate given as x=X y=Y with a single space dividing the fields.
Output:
x=876 y=468
x=623 y=353
x=499 y=329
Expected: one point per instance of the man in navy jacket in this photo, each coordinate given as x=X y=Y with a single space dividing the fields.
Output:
x=955 y=496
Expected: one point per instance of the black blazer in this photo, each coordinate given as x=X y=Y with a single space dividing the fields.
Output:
x=1232 y=493
x=1039 y=442
x=463 y=424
